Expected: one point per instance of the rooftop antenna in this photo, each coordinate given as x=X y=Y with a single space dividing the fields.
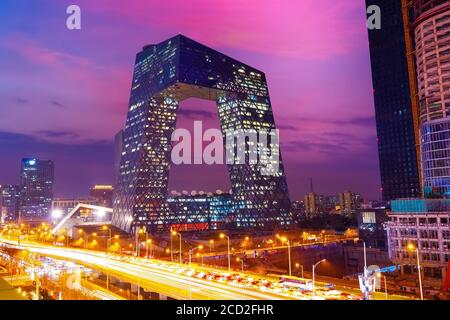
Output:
x=311 y=185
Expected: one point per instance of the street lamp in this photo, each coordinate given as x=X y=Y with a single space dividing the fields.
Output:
x=412 y=247
x=178 y=234
x=242 y=264
x=191 y=251
x=108 y=248
x=57 y=214
x=298 y=265
x=222 y=236
x=314 y=276
x=138 y=247
x=211 y=243
x=147 y=241
x=285 y=240
x=171 y=245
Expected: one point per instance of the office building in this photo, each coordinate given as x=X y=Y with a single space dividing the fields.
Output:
x=103 y=194
x=422 y=224
x=9 y=203
x=395 y=97
x=201 y=211
x=64 y=205
x=36 y=189
x=164 y=75
x=349 y=202
x=431 y=28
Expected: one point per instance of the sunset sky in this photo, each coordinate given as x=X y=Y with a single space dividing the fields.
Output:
x=64 y=94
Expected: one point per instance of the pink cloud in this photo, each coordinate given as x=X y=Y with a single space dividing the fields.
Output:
x=283 y=28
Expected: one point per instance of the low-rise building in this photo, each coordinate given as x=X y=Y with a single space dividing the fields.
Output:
x=420 y=225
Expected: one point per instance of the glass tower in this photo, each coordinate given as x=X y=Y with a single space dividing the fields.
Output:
x=395 y=100
x=431 y=28
x=164 y=75
x=36 y=184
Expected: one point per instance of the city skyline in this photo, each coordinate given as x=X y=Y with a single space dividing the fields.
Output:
x=318 y=142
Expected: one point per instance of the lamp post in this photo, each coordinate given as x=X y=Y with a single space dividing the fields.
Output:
x=314 y=276
x=242 y=264
x=285 y=240
x=211 y=243
x=191 y=251
x=138 y=247
x=171 y=245
x=297 y=265
x=178 y=234
x=413 y=248
x=222 y=236
x=147 y=241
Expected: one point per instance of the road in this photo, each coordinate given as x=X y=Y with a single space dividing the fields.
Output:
x=170 y=279
x=166 y=282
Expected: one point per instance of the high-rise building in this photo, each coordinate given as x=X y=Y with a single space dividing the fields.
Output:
x=103 y=194
x=36 y=188
x=350 y=202
x=9 y=202
x=164 y=75
x=395 y=97
x=314 y=204
x=430 y=24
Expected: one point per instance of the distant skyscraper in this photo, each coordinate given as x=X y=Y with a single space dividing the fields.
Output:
x=314 y=204
x=36 y=184
x=396 y=108
x=164 y=75
x=350 y=202
x=9 y=202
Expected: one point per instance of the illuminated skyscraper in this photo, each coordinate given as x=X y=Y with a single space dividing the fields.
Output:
x=396 y=108
x=431 y=28
x=164 y=75
x=36 y=184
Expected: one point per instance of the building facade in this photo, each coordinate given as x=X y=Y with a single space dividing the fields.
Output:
x=202 y=211
x=314 y=204
x=9 y=203
x=431 y=28
x=36 y=189
x=164 y=75
x=66 y=205
x=396 y=110
x=103 y=194
x=425 y=224
x=350 y=202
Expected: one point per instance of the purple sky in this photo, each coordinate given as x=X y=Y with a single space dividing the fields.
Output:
x=64 y=94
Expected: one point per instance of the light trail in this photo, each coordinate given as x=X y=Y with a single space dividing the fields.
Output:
x=165 y=282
